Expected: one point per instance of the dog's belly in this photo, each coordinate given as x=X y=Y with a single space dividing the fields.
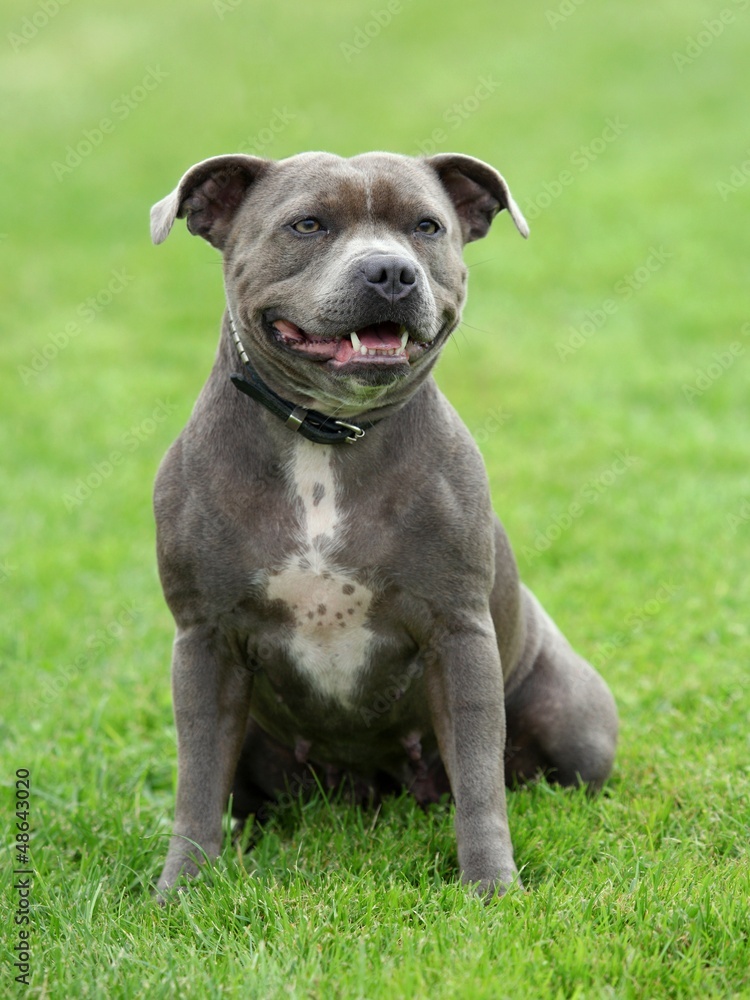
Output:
x=330 y=644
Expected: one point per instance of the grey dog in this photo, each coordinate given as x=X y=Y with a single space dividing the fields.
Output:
x=347 y=603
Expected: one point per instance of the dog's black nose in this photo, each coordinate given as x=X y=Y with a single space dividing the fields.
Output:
x=393 y=277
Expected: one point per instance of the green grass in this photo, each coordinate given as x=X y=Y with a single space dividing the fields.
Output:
x=641 y=892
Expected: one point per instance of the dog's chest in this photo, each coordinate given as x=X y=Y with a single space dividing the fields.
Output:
x=330 y=640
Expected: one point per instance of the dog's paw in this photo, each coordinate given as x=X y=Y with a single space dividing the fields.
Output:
x=502 y=879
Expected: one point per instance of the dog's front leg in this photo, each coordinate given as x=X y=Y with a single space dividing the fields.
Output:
x=466 y=699
x=211 y=699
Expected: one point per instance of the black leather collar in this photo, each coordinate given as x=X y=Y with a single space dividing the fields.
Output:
x=314 y=426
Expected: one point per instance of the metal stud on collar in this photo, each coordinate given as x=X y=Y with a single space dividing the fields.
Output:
x=237 y=342
x=296 y=418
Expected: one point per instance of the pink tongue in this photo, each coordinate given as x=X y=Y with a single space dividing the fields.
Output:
x=289 y=330
x=382 y=336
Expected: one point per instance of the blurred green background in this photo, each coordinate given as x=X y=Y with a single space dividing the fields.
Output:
x=602 y=365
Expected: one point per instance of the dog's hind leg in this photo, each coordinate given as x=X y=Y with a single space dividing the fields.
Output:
x=561 y=716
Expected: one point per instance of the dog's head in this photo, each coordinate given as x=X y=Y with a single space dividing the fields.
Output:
x=344 y=277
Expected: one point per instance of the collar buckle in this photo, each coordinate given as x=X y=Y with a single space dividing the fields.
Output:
x=358 y=432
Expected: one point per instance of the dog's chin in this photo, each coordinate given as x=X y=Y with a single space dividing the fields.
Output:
x=372 y=375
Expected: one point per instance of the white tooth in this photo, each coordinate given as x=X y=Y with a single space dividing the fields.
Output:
x=356 y=343
x=372 y=352
x=363 y=349
x=391 y=352
x=404 y=339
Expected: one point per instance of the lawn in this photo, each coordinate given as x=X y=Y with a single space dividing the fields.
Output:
x=603 y=368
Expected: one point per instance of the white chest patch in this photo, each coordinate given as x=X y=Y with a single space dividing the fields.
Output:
x=331 y=641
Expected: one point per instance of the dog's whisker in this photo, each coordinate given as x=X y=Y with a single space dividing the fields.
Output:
x=470 y=326
x=455 y=341
x=478 y=263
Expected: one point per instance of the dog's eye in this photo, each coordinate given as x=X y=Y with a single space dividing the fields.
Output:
x=307 y=226
x=427 y=226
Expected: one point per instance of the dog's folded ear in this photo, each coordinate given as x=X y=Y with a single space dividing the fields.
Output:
x=209 y=194
x=478 y=193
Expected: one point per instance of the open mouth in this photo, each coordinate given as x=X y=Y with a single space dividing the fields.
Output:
x=380 y=343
